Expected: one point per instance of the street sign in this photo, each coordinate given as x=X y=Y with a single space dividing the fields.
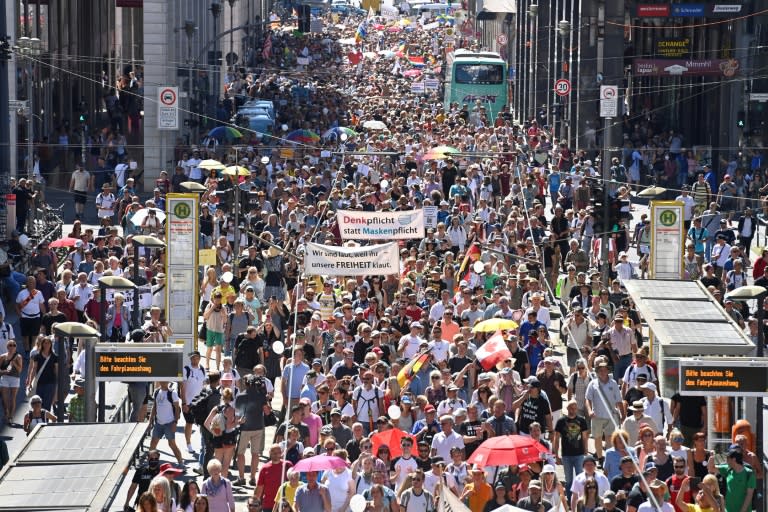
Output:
x=609 y=92
x=609 y=101
x=501 y=39
x=723 y=376
x=167 y=108
x=140 y=362
x=562 y=87
x=17 y=104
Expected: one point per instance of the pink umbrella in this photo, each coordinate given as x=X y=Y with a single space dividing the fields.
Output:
x=65 y=242
x=394 y=29
x=319 y=463
x=412 y=73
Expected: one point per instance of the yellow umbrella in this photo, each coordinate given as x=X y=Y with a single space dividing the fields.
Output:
x=211 y=164
x=236 y=170
x=495 y=324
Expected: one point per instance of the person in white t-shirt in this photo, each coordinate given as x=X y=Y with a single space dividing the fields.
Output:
x=405 y=464
x=446 y=439
x=193 y=383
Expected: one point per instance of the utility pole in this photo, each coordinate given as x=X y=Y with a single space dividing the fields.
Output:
x=5 y=128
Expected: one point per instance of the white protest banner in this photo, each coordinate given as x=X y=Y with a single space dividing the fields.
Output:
x=331 y=260
x=400 y=225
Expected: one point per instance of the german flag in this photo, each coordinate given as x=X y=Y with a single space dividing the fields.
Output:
x=408 y=371
x=471 y=256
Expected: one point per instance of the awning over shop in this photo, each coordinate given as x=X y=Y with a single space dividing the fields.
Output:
x=686 y=320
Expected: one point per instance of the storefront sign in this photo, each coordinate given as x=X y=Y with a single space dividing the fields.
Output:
x=723 y=376
x=400 y=225
x=667 y=240
x=725 y=10
x=652 y=10
x=688 y=10
x=689 y=67
x=330 y=260
x=140 y=362
x=673 y=48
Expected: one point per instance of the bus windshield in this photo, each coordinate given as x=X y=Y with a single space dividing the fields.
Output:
x=479 y=74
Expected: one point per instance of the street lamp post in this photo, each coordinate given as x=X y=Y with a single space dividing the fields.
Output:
x=757 y=293
x=141 y=241
x=31 y=48
x=231 y=61
x=190 y=29
x=533 y=12
x=115 y=283
x=564 y=28
x=215 y=11
x=70 y=331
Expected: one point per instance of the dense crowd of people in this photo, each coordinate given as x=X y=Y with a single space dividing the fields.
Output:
x=391 y=373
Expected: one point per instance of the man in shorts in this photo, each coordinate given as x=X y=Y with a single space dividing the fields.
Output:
x=80 y=184
x=604 y=406
x=164 y=418
x=250 y=407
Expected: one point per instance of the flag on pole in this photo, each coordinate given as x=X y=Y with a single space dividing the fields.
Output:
x=371 y=12
x=449 y=502
x=471 y=256
x=267 y=47
x=408 y=371
x=493 y=351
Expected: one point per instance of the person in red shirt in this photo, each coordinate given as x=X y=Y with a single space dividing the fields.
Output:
x=675 y=482
x=271 y=476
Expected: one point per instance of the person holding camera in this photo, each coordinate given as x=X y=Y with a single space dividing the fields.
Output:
x=250 y=409
x=215 y=317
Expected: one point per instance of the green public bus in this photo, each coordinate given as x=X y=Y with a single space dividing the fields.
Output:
x=477 y=77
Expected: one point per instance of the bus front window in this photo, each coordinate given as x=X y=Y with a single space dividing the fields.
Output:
x=480 y=74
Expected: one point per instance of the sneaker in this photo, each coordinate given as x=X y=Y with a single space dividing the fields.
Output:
x=190 y=449
x=239 y=482
x=252 y=482
x=198 y=471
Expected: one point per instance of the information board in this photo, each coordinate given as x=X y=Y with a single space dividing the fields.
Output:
x=139 y=362
x=667 y=240
x=723 y=376
x=182 y=236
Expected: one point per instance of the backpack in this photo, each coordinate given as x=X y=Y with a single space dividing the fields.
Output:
x=199 y=408
x=170 y=395
x=239 y=352
x=219 y=422
x=375 y=399
x=188 y=371
x=572 y=380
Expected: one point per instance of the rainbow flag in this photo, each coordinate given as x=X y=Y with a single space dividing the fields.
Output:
x=361 y=33
x=416 y=61
x=408 y=371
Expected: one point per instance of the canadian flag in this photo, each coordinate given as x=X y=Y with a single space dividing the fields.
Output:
x=493 y=351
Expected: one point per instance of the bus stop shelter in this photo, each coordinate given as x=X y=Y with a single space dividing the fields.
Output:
x=70 y=467
x=686 y=322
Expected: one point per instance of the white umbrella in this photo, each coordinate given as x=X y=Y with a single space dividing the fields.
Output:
x=374 y=125
x=140 y=215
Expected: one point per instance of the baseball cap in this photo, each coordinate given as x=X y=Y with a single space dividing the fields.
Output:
x=168 y=469
x=429 y=408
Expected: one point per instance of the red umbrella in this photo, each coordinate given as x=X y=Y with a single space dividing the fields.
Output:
x=508 y=450
x=390 y=438
x=65 y=242
x=319 y=463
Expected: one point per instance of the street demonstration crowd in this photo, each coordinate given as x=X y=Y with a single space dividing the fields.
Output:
x=444 y=385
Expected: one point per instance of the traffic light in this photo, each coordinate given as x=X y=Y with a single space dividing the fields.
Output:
x=741 y=119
